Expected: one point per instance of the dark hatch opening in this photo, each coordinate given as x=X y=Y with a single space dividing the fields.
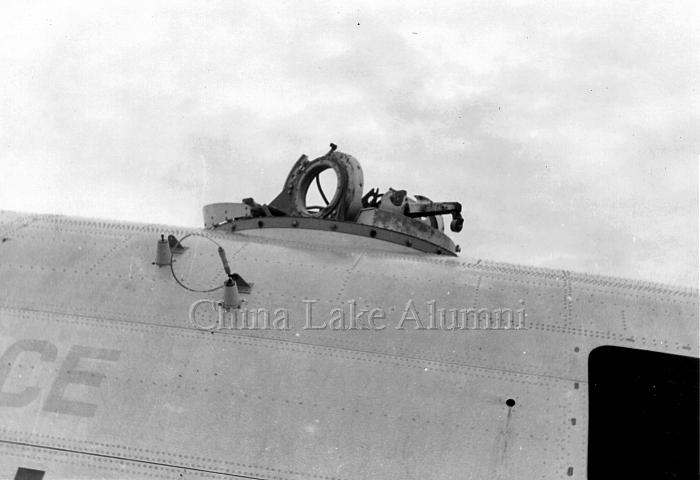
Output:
x=643 y=414
x=29 y=474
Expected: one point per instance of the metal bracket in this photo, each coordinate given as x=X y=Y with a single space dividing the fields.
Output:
x=243 y=286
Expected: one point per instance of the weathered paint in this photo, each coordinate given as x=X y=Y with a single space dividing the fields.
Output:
x=104 y=375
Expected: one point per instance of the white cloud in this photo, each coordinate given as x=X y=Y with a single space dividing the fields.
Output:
x=568 y=131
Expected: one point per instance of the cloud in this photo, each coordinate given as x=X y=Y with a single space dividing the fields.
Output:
x=569 y=132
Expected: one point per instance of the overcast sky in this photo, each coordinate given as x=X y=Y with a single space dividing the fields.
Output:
x=570 y=132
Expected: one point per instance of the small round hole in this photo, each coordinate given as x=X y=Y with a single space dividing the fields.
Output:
x=260 y=224
x=373 y=233
x=510 y=402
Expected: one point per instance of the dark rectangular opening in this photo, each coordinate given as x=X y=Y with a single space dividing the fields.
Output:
x=29 y=474
x=644 y=413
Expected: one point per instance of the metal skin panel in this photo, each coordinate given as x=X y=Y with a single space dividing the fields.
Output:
x=103 y=375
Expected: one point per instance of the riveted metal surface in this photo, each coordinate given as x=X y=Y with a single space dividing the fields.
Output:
x=321 y=404
x=439 y=244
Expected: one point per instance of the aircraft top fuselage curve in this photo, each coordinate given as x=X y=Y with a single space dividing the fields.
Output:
x=349 y=355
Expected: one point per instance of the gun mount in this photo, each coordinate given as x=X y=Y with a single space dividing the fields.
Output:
x=392 y=216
